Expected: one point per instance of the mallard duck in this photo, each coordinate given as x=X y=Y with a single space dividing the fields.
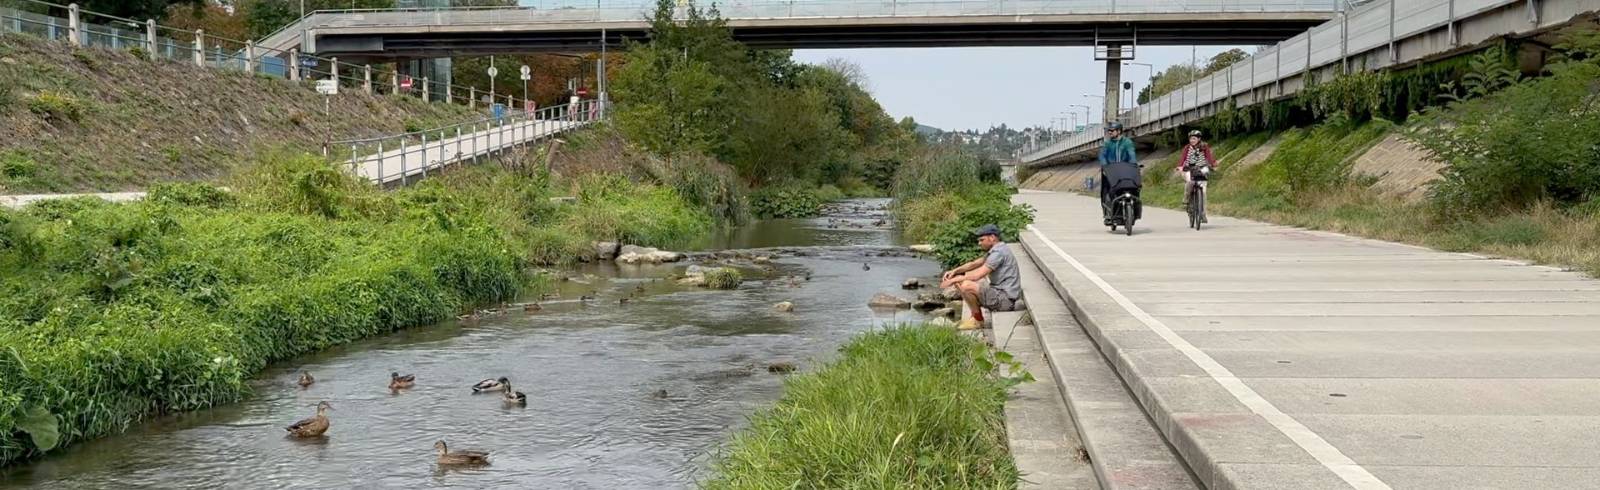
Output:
x=313 y=426
x=490 y=385
x=532 y=307
x=460 y=457
x=398 y=382
x=306 y=379
x=865 y=267
x=623 y=301
x=515 y=397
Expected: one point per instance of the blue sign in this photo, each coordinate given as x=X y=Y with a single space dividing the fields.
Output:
x=499 y=110
x=308 y=62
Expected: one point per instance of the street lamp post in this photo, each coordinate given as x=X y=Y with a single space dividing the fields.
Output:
x=1086 y=116
x=1148 y=81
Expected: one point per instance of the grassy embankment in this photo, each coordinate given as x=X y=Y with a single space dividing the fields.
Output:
x=94 y=119
x=113 y=312
x=942 y=195
x=1521 y=176
x=907 y=407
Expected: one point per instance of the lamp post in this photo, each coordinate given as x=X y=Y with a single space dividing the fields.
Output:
x=1148 y=81
x=1086 y=109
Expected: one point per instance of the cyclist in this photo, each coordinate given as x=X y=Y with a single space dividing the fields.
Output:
x=1118 y=148
x=1196 y=158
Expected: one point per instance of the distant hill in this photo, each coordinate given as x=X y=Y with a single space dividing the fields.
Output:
x=929 y=131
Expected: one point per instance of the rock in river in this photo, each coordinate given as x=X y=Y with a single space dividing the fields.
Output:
x=632 y=254
x=922 y=248
x=606 y=250
x=884 y=300
x=786 y=307
x=912 y=283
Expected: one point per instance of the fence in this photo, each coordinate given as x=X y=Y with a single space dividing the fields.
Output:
x=158 y=42
x=1376 y=26
x=399 y=158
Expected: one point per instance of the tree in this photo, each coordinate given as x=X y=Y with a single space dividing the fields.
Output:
x=265 y=17
x=136 y=9
x=214 y=17
x=1180 y=75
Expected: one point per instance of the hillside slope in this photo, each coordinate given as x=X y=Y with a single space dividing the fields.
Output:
x=91 y=119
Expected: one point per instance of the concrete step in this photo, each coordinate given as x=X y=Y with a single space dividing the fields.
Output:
x=1125 y=450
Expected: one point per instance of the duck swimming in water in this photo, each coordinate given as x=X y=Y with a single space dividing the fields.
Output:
x=314 y=426
x=491 y=385
x=515 y=397
x=306 y=379
x=446 y=457
x=398 y=382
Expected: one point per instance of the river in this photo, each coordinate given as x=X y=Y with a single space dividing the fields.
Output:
x=593 y=373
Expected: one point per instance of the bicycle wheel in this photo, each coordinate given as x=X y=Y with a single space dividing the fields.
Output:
x=1199 y=207
x=1127 y=216
x=1191 y=208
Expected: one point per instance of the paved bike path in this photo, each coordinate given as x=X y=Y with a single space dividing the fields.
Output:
x=1275 y=357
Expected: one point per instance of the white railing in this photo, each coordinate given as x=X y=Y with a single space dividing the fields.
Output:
x=92 y=29
x=400 y=158
x=1372 y=26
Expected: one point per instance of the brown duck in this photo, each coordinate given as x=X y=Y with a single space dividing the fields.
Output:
x=398 y=382
x=446 y=457
x=314 y=426
x=306 y=379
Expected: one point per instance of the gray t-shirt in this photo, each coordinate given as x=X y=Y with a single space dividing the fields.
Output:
x=1003 y=271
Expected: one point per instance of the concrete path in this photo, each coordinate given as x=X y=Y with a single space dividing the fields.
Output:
x=17 y=201
x=1274 y=357
x=417 y=159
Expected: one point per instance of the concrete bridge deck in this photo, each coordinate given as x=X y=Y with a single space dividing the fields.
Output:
x=1275 y=357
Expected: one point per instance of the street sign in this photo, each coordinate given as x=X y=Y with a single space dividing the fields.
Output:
x=405 y=83
x=527 y=73
x=494 y=72
x=328 y=87
x=583 y=92
x=308 y=61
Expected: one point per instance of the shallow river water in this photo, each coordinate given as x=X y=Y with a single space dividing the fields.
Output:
x=592 y=372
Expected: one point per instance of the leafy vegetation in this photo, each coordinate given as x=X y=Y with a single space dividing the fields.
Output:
x=1181 y=74
x=724 y=278
x=945 y=195
x=790 y=201
x=907 y=407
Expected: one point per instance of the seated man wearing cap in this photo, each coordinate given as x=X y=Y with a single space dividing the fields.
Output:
x=1004 y=290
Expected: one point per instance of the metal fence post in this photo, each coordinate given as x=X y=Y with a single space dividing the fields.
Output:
x=472 y=98
x=333 y=68
x=74 y=24
x=424 y=153
x=458 y=143
x=250 y=56
x=294 y=64
x=366 y=78
x=405 y=171
x=449 y=95
x=150 y=38
x=426 y=90
x=381 y=175
x=200 y=48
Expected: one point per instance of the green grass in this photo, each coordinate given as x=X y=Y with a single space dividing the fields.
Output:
x=908 y=407
x=724 y=278
x=946 y=219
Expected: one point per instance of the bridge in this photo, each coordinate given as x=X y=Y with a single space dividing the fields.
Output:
x=586 y=26
x=1373 y=36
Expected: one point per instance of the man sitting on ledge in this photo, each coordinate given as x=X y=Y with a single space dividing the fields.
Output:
x=1004 y=289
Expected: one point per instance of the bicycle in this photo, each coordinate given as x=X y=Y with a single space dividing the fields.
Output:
x=1197 y=195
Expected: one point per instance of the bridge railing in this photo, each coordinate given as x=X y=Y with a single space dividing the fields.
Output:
x=158 y=42
x=1366 y=28
x=401 y=157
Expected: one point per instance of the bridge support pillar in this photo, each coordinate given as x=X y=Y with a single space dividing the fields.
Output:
x=1113 y=95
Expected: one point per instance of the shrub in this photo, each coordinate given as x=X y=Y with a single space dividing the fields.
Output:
x=56 y=106
x=934 y=171
x=793 y=200
x=611 y=208
x=191 y=194
x=17 y=166
x=724 y=278
x=946 y=220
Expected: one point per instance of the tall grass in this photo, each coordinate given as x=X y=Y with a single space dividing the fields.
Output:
x=907 y=407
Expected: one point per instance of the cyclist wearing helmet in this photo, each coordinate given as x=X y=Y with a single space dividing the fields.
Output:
x=1118 y=148
x=1196 y=157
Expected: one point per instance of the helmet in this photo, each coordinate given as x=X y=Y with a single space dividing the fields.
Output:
x=1114 y=125
x=1195 y=133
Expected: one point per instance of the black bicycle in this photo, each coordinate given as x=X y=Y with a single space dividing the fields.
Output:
x=1197 y=195
x=1121 y=204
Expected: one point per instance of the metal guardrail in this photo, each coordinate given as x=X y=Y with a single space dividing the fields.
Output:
x=400 y=157
x=1365 y=28
x=93 y=29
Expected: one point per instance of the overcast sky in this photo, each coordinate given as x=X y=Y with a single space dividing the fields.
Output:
x=975 y=88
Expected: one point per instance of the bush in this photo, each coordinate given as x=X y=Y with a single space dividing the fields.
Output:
x=191 y=194
x=793 y=200
x=724 y=278
x=946 y=220
x=935 y=171
x=611 y=208
x=17 y=166
x=867 y=420
x=56 y=106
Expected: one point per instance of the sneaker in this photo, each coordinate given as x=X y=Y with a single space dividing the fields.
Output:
x=969 y=324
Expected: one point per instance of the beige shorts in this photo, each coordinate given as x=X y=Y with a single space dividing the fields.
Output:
x=994 y=300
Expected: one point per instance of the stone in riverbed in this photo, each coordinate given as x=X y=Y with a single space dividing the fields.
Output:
x=922 y=248
x=912 y=283
x=951 y=294
x=632 y=254
x=883 y=300
x=781 y=367
x=606 y=250
x=943 y=313
x=928 y=301
x=786 y=307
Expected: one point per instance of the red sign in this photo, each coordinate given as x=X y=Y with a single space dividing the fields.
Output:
x=405 y=83
x=582 y=92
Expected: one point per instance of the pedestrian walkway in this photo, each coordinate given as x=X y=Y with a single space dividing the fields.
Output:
x=1275 y=357
x=405 y=163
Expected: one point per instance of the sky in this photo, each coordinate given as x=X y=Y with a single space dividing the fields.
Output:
x=976 y=88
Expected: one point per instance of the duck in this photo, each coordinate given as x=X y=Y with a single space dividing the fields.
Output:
x=532 y=307
x=490 y=385
x=306 y=379
x=459 y=457
x=623 y=301
x=515 y=397
x=865 y=267
x=585 y=298
x=398 y=382
x=314 y=426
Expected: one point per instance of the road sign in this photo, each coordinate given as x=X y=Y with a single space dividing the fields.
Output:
x=328 y=87
x=583 y=91
x=405 y=83
x=494 y=72
x=527 y=73
x=308 y=61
